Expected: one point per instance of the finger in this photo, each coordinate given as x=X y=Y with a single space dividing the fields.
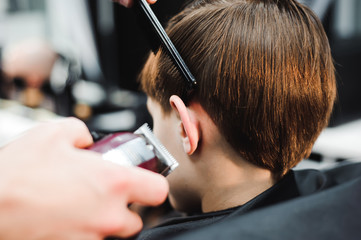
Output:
x=129 y=3
x=125 y=3
x=75 y=131
x=129 y=224
x=144 y=187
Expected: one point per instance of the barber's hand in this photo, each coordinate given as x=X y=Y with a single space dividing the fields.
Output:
x=51 y=189
x=129 y=3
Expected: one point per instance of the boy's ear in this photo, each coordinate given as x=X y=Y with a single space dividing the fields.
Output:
x=189 y=127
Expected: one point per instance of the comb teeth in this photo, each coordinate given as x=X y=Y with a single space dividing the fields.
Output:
x=161 y=151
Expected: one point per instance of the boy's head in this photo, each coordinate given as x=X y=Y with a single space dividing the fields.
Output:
x=264 y=71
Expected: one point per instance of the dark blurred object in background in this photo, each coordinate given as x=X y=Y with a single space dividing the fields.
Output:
x=122 y=47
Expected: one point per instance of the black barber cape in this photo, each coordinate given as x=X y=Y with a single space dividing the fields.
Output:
x=305 y=204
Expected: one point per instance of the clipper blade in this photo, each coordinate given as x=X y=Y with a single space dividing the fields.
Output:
x=161 y=152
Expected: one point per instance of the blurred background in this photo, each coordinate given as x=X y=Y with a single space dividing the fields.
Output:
x=81 y=58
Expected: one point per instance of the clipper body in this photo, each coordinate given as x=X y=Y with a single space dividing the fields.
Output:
x=140 y=148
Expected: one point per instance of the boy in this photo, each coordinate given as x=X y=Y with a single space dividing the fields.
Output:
x=266 y=88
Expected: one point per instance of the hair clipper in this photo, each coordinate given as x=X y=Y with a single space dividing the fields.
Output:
x=140 y=148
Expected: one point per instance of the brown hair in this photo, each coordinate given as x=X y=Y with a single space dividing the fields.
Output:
x=265 y=75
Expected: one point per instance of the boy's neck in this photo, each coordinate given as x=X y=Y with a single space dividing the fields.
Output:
x=236 y=184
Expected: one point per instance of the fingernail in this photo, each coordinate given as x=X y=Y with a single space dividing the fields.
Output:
x=125 y=3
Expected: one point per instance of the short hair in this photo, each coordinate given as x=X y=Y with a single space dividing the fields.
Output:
x=265 y=75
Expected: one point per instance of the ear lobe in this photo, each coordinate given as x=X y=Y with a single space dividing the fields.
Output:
x=189 y=127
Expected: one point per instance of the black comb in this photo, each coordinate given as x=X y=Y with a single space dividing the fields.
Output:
x=157 y=36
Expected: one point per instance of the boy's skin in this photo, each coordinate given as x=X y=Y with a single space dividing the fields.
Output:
x=194 y=140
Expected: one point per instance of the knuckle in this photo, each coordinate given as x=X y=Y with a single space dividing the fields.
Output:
x=75 y=121
x=122 y=180
x=48 y=130
x=117 y=181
